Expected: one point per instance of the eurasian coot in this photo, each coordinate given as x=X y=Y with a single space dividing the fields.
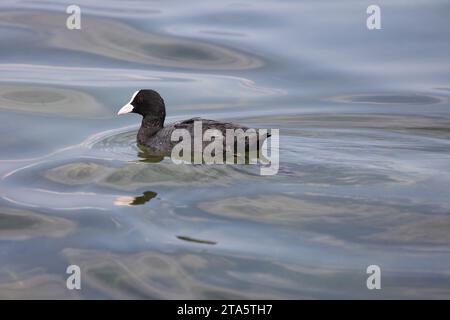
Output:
x=156 y=136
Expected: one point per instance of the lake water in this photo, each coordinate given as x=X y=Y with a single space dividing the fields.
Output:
x=364 y=176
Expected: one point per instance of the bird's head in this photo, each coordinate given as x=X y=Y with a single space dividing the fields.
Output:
x=145 y=102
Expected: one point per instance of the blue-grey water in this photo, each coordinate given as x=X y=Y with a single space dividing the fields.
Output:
x=364 y=178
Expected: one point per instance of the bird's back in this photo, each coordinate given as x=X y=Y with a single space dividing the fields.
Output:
x=161 y=140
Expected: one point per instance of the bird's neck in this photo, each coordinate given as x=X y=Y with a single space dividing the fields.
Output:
x=150 y=125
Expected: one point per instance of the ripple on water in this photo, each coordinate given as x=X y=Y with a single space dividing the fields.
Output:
x=117 y=40
x=351 y=219
x=50 y=100
x=157 y=275
x=205 y=275
x=391 y=98
x=18 y=224
x=387 y=122
x=134 y=176
x=35 y=284
x=122 y=145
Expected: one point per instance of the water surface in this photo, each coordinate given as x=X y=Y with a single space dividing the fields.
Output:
x=365 y=150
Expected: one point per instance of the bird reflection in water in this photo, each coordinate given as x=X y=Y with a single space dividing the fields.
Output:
x=135 y=201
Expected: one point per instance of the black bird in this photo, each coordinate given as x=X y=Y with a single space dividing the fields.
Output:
x=157 y=137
